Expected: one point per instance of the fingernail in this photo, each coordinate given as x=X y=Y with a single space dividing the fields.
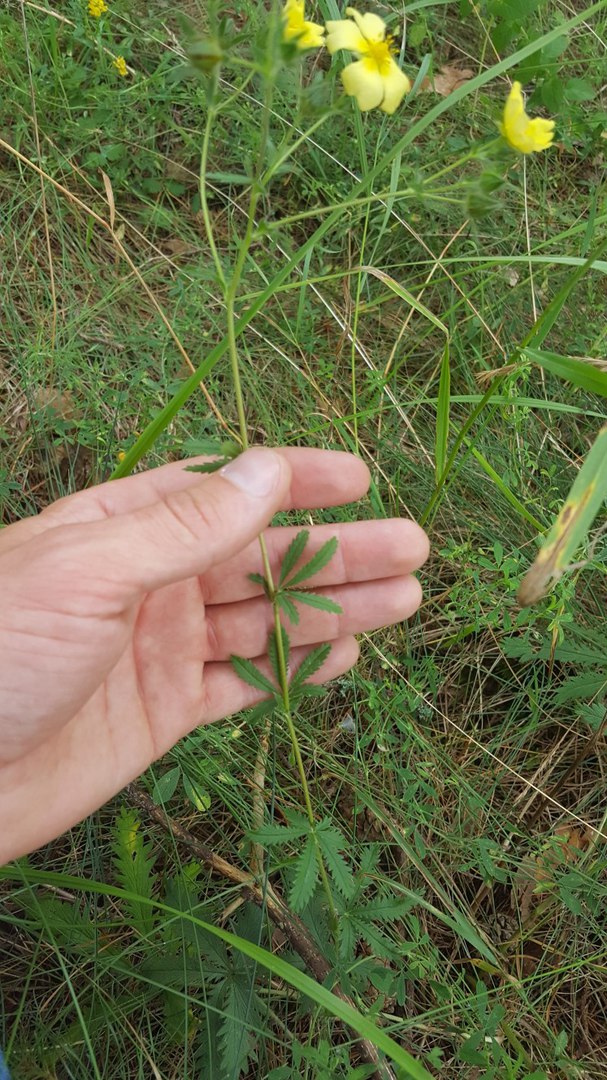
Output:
x=255 y=472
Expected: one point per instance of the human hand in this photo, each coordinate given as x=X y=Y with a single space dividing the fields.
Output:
x=122 y=604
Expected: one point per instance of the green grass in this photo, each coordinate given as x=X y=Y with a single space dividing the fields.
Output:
x=461 y=761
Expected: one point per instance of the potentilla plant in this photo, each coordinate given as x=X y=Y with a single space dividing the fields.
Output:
x=365 y=53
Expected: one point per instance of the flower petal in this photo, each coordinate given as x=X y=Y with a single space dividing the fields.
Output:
x=371 y=26
x=344 y=34
x=524 y=134
x=363 y=82
x=313 y=36
x=306 y=35
x=396 y=85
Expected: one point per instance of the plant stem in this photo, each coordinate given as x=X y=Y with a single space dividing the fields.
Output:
x=230 y=293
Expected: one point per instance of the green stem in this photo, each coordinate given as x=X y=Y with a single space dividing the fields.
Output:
x=202 y=184
x=230 y=293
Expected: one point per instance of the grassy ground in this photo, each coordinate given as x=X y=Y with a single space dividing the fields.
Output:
x=463 y=760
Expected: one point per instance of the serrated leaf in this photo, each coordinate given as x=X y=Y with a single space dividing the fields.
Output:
x=379 y=942
x=287 y=605
x=164 y=787
x=307 y=690
x=240 y=1016
x=268 y=835
x=310 y=665
x=258 y=579
x=265 y=708
x=383 y=909
x=209 y=466
x=331 y=842
x=581 y=687
x=306 y=876
x=249 y=673
x=293 y=554
x=273 y=652
x=316 y=563
x=133 y=862
x=315 y=600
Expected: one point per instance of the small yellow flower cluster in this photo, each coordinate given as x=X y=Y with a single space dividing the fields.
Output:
x=97 y=8
x=120 y=65
x=375 y=79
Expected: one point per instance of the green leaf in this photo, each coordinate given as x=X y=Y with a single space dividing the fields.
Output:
x=287 y=605
x=258 y=579
x=581 y=687
x=258 y=712
x=165 y=785
x=293 y=554
x=404 y=294
x=316 y=563
x=315 y=600
x=331 y=843
x=578 y=372
x=306 y=876
x=249 y=673
x=310 y=665
x=268 y=835
x=208 y=466
x=583 y=503
x=197 y=795
x=133 y=862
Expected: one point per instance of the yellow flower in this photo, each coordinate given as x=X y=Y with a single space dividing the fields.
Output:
x=97 y=8
x=306 y=35
x=523 y=133
x=376 y=79
x=120 y=65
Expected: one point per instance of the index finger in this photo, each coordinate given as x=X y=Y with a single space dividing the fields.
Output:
x=319 y=478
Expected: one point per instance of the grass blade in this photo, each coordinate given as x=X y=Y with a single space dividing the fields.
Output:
x=442 y=415
x=583 y=503
x=574 y=371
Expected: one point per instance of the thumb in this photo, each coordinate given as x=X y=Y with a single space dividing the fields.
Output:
x=186 y=532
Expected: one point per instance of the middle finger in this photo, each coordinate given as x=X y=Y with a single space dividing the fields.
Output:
x=366 y=550
x=242 y=628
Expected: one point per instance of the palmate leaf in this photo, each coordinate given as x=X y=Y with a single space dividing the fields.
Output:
x=249 y=673
x=306 y=876
x=363 y=1024
x=316 y=563
x=293 y=554
x=240 y=1018
x=315 y=600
